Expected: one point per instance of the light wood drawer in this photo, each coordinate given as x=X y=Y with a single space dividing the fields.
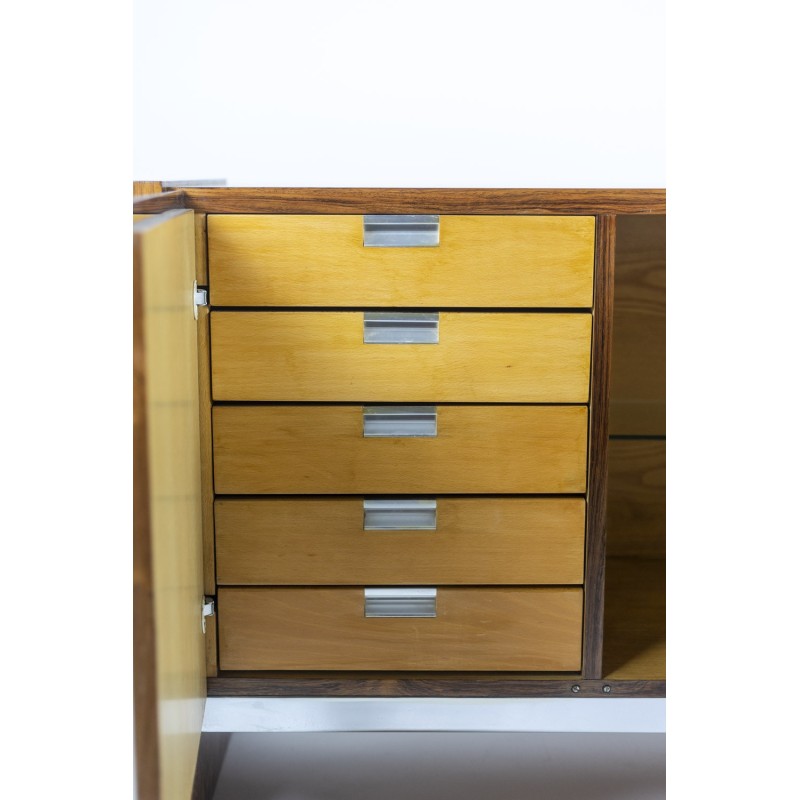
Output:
x=314 y=449
x=507 y=357
x=475 y=629
x=485 y=540
x=320 y=260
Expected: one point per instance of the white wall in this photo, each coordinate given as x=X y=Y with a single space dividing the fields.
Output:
x=414 y=93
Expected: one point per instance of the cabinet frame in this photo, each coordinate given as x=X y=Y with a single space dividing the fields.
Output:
x=604 y=204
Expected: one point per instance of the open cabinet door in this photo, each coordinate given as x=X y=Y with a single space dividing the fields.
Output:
x=169 y=650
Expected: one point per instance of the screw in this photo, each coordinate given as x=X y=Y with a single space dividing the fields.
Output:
x=576 y=688
x=607 y=689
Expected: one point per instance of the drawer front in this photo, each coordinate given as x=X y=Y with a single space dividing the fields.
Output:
x=483 y=540
x=320 y=260
x=476 y=450
x=474 y=629
x=508 y=357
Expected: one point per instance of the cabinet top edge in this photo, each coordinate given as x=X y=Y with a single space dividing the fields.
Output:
x=251 y=200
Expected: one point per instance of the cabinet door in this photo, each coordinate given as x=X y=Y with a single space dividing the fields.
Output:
x=169 y=654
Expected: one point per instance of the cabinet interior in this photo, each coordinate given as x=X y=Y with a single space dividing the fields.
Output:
x=635 y=636
x=634 y=624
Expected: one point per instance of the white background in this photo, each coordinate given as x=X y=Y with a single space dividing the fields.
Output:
x=415 y=93
x=733 y=284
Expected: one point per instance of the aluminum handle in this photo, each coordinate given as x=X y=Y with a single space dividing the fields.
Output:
x=399 y=515
x=399 y=420
x=400 y=602
x=381 y=327
x=401 y=230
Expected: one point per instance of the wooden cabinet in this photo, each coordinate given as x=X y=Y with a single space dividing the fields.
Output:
x=468 y=463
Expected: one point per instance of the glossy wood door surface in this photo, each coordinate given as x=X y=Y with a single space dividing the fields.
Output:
x=169 y=648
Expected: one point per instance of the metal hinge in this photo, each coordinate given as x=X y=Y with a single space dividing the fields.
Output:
x=207 y=610
x=200 y=297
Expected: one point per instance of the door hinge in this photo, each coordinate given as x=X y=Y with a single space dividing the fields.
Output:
x=207 y=610
x=200 y=297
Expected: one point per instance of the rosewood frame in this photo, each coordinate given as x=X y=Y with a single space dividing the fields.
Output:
x=604 y=205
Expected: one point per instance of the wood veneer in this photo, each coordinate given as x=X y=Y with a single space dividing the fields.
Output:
x=322 y=356
x=314 y=449
x=603 y=309
x=638 y=369
x=168 y=506
x=477 y=540
x=320 y=260
x=474 y=628
x=426 y=201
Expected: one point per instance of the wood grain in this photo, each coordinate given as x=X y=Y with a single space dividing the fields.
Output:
x=145 y=688
x=201 y=249
x=637 y=498
x=213 y=747
x=158 y=203
x=477 y=541
x=322 y=450
x=638 y=375
x=167 y=363
x=426 y=201
x=598 y=449
x=206 y=448
x=321 y=356
x=143 y=188
x=212 y=658
x=320 y=260
x=338 y=684
x=635 y=647
x=486 y=628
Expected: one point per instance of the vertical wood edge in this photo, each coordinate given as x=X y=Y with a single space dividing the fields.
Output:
x=201 y=247
x=144 y=188
x=144 y=640
x=594 y=582
x=212 y=651
x=210 y=757
x=206 y=448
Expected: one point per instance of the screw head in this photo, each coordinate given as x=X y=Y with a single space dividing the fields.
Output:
x=576 y=688
x=607 y=689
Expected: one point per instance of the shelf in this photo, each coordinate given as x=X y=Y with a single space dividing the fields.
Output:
x=635 y=626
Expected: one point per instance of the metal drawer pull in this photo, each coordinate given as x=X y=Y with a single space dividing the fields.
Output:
x=399 y=515
x=400 y=602
x=381 y=327
x=399 y=420
x=401 y=230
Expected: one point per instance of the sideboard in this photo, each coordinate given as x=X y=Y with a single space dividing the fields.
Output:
x=394 y=443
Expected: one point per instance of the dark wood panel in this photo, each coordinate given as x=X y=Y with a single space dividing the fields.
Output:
x=156 y=203
x=598 y=449
x=638 y=369
x=637 y=498
x=635 y=647
x=426 y=201
x=333 y=685
x=211 y=755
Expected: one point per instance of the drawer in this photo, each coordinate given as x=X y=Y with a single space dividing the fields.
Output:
x=474 y=629
x=314 y=449
x=321 y=260
x=505 y=357
x=449 y=540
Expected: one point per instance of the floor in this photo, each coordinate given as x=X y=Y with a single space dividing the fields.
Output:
x=438 y=766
